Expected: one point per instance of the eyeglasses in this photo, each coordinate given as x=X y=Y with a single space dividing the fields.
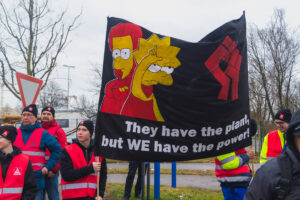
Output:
x=279 y=123
x=27 y=115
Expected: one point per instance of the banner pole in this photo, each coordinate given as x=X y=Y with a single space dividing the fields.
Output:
x=98 y=175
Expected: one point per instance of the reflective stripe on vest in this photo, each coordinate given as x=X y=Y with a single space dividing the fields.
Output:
x=12 y=187
x=234 y=179
x=32 y=148
x=231 y=175
x=17 y=190
x=85 y=186
x=78 y=186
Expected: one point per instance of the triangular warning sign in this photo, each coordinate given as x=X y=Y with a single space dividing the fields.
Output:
x=29 y=88
x=17 y=172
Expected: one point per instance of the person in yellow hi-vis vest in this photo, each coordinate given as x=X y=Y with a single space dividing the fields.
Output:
x=276 y=139
x=233 y=172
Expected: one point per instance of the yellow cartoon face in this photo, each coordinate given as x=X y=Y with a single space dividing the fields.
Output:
x=156 y=66
x=156 y=74
x=122 y=54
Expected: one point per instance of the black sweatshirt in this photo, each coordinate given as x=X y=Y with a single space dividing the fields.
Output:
x=68 y=173
x=30 y=188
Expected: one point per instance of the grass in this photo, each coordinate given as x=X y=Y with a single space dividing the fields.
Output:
x=115 y=191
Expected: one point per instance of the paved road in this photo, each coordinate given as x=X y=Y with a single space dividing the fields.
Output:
x=205 y=182
x=184 y=166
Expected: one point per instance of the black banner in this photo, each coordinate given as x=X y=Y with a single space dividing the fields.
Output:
x=165 y=99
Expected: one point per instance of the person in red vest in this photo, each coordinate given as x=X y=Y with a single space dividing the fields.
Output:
x=233 y=172
x=33 y=140
x=49 y=124
x=79 y=167
x=17 y=179
x=275 y=140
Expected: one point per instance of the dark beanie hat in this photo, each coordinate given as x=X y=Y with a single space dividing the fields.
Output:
x=88 y=124
x=50 y=109
x=32 y=109
x=9 y=132
x=253 y=127
x=284 y=115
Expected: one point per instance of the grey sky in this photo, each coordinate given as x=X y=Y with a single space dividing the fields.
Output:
x=188 y=20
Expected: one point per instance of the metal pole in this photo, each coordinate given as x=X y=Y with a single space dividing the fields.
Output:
x=156 y=180
x=148 y=181
x=68 y=66
x=173 y=174
x=143 y=180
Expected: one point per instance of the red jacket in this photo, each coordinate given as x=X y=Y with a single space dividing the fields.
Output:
x=12 y=187
x=59 y=134
x=82 y=187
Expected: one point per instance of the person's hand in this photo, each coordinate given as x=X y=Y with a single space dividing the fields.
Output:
x=98 y=198
x=51 y=174
x=250 y=153
x=96 y=166
x=44 y=171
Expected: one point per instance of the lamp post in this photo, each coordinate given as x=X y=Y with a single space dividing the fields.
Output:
x=68 y=66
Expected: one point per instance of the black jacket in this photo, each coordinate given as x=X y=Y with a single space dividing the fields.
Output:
x=266 y=183
x=70 y=174
x=30 y=188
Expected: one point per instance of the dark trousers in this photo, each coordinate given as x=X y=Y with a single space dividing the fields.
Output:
x=133 y=166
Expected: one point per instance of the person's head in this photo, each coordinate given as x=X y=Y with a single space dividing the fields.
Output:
x=29 y=115
x=85 y=130
x=282 y=119
x=123 y=39
x=48 y=114
x=8 y=135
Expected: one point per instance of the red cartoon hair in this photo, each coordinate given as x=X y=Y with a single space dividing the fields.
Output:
x=124 y=29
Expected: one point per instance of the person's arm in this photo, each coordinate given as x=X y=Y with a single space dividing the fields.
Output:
x=30 y=187
x=232 y=161
x=103 y=178
x=51 y=143
x=264 y=149
x=68 y=173
x=62 y=140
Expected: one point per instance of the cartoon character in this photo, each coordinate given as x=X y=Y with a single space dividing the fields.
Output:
x=123 y=39
x=156 y=61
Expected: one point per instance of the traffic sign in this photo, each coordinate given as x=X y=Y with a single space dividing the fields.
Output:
x=29 y=88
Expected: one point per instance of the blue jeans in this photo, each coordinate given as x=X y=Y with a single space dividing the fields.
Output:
x=52 y=188
x=40 y=195
x=231 y=193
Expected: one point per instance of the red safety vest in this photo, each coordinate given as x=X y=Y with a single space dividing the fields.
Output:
x=274 y=144
x=32 y=148
x=52 y=130
x=12 y=187
x=83 y=187
x=231 y=175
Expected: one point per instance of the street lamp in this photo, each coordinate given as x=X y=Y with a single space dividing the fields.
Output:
x=68 y=66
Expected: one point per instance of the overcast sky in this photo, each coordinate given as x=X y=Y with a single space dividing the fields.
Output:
x=188 y=20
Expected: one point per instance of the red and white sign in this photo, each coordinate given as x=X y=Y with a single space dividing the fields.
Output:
x=29 y=88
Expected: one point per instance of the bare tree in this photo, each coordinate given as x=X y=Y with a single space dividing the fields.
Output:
x=31 y=40
x=273 y=52
x=86 y=107
x=54 y=96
